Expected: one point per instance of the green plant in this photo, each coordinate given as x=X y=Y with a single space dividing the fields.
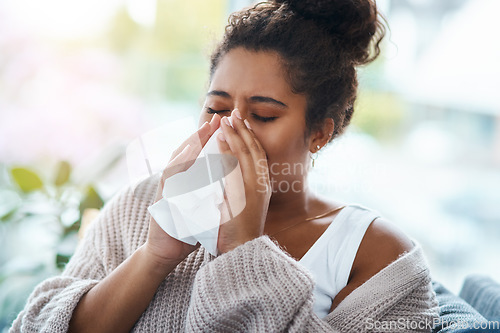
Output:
x=39 y=223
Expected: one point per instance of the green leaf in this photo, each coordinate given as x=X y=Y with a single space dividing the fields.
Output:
x=8 y=216
x=62 y=260
x=27 y=179
x=91 y=200
x=72 y=228
x=63 y=173
x=9 y=203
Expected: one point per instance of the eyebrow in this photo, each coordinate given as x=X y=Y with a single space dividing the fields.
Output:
x=253 y=99
x=263 y=99
x=219 y=93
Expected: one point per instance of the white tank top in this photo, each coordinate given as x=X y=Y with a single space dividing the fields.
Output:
x=331 y=257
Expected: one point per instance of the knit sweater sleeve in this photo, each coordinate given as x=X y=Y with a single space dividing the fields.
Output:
x=50 y=306
x=257 y=287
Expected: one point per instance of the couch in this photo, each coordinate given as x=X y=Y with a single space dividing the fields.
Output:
x=475 y=309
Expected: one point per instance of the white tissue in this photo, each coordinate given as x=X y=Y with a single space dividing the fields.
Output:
x=190 y=208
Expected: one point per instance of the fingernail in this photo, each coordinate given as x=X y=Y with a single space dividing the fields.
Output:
x=212 y=118
x=247 y=123
x=221 y=137
x=237 y=113
x=205 y=123
x=226 y=121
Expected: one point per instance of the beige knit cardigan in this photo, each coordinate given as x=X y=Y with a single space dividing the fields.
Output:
x=256 y=287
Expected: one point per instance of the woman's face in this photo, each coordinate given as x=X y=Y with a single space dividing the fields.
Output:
x=255 y=83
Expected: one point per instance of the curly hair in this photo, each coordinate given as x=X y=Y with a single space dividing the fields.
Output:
x=320 y=43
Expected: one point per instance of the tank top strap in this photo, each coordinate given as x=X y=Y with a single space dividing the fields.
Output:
x=352 y=229
x=331 y=257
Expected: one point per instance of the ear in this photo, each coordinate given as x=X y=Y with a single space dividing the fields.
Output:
x=320 y=137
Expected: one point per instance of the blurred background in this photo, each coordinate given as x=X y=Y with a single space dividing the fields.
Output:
x=80 y=80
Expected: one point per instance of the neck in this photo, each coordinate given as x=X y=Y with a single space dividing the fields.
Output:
x=290 y=205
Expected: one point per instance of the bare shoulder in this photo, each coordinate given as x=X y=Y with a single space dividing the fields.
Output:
x=382 y=244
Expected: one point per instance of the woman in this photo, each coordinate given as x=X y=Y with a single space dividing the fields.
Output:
x=291 y=260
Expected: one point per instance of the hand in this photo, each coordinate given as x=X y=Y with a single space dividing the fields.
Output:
x=161 y=247
x=250 y=218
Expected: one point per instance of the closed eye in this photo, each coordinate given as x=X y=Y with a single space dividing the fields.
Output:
x=254 y=115
x=263 y=119
x=210 y=110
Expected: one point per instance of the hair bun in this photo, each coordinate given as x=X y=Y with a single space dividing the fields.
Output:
x=354 y=22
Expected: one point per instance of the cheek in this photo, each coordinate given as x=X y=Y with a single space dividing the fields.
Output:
x=281 y=144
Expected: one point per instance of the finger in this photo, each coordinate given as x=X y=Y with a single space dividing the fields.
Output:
x=256 y=150
x=248 y=137
x=182 y=160
x=205 y=135
x=198 y=139
x=239 y=148
x=194 y=139
x=223 y=145
x=214 y=123
x=250 y=157
x=252 y=133
x=180 y=163
x=234 y=188
x=228 y=159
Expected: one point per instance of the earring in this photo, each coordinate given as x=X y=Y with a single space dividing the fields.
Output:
x=314 y=156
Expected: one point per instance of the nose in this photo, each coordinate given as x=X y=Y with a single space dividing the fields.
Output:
x=241 y=109
x=236 y=113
